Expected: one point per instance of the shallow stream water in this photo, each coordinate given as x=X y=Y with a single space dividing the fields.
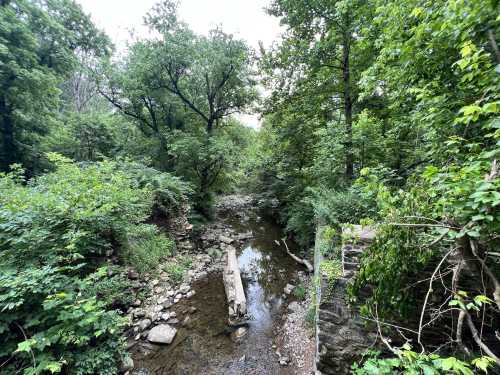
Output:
x=205 y=345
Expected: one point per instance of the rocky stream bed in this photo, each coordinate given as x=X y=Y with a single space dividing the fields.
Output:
x=183 y=329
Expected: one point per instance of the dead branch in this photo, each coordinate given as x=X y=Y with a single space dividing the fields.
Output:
x=304 y=262
x=429 y=291
x=477 y=339
x=487 y=270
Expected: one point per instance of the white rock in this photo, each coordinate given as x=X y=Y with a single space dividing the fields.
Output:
x=144 y=324
x=162 y=300
x=225 y=239
x=165 y=316
x=294 y=306
x=289 y=288
x=184 y=288
x=162 y=334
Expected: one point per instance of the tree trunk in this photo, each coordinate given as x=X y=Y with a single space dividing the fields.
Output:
x=234 y=289
x=8 y=155
x=349 y=157
x=210 y=126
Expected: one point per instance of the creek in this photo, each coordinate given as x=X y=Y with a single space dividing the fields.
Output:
x=205 y=344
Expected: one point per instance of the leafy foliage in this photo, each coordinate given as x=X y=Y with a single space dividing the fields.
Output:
x=59 y=307
x=146 y=247
x=409 y=362
x=32 y=69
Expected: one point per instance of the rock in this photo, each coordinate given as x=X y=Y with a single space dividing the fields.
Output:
x=284 y=361
x=186 y=322
x=173 y=314
x=161 y=300
x=173 y=321
x=239 y=333
x=294 y=306
x=184 y=289
x=289 y=288
x=137 y=303
x=133 y=275
x=192 y=309
x=144 y=324
x=155 y=282
x=244 y=236
x=127 y=364
x=226 y=240
x=162 y=334
x=165 y=316
x=139 y=313
x=167 y=304
x=170 y=293
x=190 y=294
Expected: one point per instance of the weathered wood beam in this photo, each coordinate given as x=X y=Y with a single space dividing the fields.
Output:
x=234 y=288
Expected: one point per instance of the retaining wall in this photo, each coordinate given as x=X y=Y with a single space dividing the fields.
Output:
x=341 y=336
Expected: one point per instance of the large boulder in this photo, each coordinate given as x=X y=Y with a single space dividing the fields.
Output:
x=162 y=334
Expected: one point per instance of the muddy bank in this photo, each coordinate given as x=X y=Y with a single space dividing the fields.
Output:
x=204 y=344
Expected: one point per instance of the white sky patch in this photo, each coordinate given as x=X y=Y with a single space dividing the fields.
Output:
x=246 y=19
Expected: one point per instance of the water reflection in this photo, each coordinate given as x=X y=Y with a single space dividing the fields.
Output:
x=206 y=346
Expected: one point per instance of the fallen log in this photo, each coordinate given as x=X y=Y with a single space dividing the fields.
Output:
x=304 y=262
x=234 y=288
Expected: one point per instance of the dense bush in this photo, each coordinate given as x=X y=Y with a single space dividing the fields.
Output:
x=410 y=362
x=57 y=303
x=335 y=207
x=146 y=246
x=170 y=193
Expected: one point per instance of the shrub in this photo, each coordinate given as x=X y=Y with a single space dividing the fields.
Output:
x=146 y=247
x=169 y=192
x=175 y=272
x=338 y=207
x=111 y=286
x=177 y=268
x=57 y=305
x=47 y=324
x=409 y=362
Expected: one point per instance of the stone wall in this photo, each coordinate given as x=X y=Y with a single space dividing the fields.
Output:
x=341 y=337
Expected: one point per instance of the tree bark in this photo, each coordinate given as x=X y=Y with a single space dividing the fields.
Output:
x=9 y=152
x=234 y=289
x=346 y=77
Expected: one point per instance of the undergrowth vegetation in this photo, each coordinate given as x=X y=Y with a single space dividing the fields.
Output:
x=60 y=306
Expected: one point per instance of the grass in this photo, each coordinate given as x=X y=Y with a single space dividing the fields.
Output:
x=175 y=272
x=311 y=315
x=300 y=292
x=147 y=246
x=177 y=268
